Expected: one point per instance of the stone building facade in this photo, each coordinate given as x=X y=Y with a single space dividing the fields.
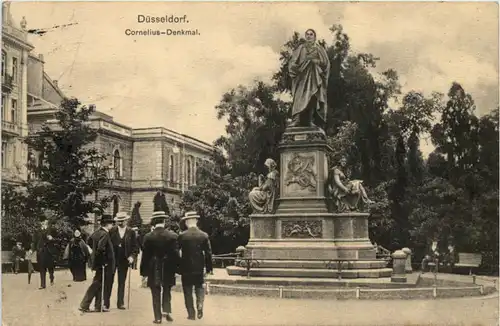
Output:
x=15 y=51
x=141 y=161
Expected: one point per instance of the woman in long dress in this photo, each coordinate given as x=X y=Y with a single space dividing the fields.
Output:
x=77 y=253
x=262 y=197
x=309 y=68
x=348 y=195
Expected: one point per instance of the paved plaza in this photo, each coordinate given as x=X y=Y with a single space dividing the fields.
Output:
x=24 y=304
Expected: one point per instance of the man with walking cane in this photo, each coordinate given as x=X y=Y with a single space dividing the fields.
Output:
x=103 y=263
x=159 y=263
x=196 y=254
x=126 y=248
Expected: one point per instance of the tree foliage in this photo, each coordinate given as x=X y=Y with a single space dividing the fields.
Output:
x=135 y=218
x=70 y=168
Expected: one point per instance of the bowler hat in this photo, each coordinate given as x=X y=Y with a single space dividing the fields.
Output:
x=121 y=216
x=190 y=215
x=107 y=219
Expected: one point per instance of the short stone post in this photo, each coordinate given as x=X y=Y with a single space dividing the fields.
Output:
x=408 y=268
x=398 y=267
x=240 y=252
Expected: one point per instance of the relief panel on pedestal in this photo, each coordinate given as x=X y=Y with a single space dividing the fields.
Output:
x=300 y=176
x=301 y=229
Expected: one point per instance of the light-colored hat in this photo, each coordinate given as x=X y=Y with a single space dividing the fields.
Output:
x=159 y=214
x=77 y=233
x=121 y=216
x=190 y=215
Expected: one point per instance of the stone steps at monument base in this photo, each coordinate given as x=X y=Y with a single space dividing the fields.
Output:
x=302 y=272
x=319 y=264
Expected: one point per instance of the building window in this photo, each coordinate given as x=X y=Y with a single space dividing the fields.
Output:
x=171 y=168
x=3 y=108
x=4 y=62
x=4 y=154
x=13 y=111
x=117 y=164
x=196 y=172
x=188 y=172
x=14 y=69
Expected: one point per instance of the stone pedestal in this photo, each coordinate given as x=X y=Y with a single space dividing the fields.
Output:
x=302 y=237
x=398 y=267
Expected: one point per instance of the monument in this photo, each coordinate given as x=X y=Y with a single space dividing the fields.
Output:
x=299 y=235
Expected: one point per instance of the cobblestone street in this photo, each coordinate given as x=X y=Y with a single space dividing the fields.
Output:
x=24 y=304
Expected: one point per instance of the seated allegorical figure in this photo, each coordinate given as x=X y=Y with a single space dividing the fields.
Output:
x=262 y=198
x=348 y=195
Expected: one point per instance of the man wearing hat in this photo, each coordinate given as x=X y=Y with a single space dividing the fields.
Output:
x=46 y=253
x=126 y=248
x=196 y=254
x=159 y=263
x=103 y=263
x=18 y=255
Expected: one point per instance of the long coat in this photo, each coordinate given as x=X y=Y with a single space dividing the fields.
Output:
x=309 y=78
x=196 y=252
x=46 y=251
x=160 y=257
x=84 y=250
x=131 y=242
x=102 y=250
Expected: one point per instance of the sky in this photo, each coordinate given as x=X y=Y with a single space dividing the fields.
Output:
x=176 y=81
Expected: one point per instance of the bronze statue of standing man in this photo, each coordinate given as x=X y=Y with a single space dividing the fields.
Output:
x=309 y=69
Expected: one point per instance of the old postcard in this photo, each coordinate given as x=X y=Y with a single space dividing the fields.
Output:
x=250 y=163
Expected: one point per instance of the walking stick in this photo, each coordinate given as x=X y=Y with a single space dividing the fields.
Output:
x=102 y=290
x=129 y=278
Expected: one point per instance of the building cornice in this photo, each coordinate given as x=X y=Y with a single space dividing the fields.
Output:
x=160 y=133
x=6 y=35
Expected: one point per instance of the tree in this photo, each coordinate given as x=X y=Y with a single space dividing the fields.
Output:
x=71 y=169
x=135 y=218
x=20 y=216
x=457 y=132
x=222 y=203
x=160 y=203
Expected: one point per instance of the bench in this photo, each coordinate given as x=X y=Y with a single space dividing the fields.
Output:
x=469 y=260
x=7 y=257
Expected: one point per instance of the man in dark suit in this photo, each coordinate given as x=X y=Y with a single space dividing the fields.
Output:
x=18 y=256
x=103 y=263
x=159 y=263
x=126 y=249
x=46 y=253
x=196 y=254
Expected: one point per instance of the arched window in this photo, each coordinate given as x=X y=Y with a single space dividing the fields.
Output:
x=188 y=172
x=117 y=164
x=171 y=168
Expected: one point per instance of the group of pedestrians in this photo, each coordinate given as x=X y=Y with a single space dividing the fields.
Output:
x=164 y=254
x=114 y=250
